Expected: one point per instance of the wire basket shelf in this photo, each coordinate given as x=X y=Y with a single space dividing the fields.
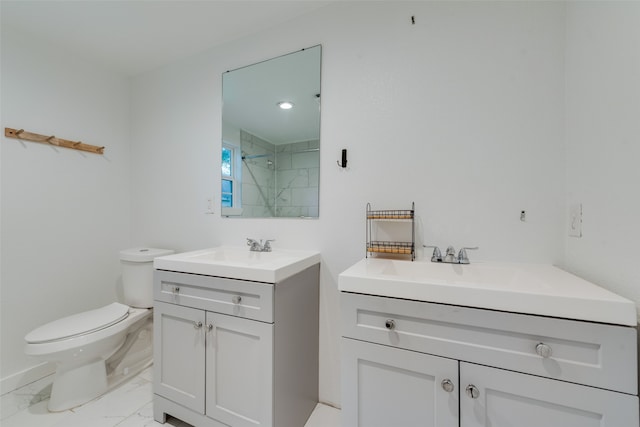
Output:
x=390 y=246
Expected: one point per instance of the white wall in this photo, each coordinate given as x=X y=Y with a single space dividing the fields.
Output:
x=65 y=213
x=462 y=113
x=603 y=142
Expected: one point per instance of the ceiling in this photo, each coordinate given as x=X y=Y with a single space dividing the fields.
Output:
x=135 y=36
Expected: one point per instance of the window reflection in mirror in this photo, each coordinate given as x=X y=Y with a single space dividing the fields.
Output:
x=228 y=176
x=271 y=137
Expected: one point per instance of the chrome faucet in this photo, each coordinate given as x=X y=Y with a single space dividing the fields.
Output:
x=450 y=255
x=256 y=246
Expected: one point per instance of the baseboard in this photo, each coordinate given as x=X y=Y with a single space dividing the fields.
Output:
x=27 y=376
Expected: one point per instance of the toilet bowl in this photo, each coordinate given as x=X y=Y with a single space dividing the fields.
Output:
x=98 y=349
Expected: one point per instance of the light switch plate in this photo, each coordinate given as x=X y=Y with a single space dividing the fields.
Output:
x=575 y=220
x=209 y=206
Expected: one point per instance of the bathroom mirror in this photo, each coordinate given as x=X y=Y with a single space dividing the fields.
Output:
x=271 y=137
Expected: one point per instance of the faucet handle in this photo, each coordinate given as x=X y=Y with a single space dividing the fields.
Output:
x=267 y=245
x=462 y=255
x=437 y=255
x=254 y=245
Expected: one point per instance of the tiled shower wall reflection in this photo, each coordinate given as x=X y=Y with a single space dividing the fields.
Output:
x=258 y=176
x=297 y=169
x=284 y=185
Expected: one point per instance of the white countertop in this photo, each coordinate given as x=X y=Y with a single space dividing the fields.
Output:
x=520 y=288
x=240 y=263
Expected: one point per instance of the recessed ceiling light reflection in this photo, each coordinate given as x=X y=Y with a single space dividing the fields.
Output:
x=285 y=105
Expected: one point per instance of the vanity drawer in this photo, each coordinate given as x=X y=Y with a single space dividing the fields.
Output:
x=582 y=352
x=251 y=300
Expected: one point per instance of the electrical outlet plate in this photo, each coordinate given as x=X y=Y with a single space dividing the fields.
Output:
x=575 y=220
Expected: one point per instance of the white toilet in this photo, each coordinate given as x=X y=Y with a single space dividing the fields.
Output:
x=97 y=349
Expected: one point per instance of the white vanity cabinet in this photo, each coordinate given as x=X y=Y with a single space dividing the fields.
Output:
x=235 y=353
x=415 y=363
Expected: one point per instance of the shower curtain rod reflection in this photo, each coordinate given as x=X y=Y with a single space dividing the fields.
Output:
x=259 y=156
x=255 y=156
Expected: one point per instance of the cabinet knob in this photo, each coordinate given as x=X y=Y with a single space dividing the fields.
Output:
x=176 y=289
x=472 y=391
x=447 y=385
x=390 y=324
x=197 y=324
x=210 y=327
x=236 y=299
x=543 y=350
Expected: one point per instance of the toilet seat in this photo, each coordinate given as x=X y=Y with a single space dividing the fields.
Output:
x=79 y=324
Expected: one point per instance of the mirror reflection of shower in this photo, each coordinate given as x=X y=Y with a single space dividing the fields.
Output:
x=254 y=164
x=279 y=180
x=271 y=155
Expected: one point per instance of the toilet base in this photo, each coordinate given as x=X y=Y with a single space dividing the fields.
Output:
x=77 y=384
x=71 y=387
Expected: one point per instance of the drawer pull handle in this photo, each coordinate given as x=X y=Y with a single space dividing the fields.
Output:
x=447 y=385
x=237 y=299
x=472 y=391
x=197 y=324
x=543 y=350
x=176 y=289
x=390 y=324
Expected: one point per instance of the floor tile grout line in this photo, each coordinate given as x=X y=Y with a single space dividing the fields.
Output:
x=136 y=412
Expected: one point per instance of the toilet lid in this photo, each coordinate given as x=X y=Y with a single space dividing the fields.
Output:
x=79 y=324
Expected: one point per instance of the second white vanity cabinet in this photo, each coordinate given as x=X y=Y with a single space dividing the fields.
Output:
x=415 y=363
x=233 y=352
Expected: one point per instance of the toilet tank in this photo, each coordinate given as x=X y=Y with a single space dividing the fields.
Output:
x=137 y=275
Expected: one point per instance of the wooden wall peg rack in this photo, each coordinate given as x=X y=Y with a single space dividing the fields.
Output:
x=52 y=140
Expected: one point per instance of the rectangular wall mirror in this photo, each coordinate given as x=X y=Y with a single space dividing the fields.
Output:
x=271 y=137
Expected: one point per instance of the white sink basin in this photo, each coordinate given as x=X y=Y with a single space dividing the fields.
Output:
x=240 y=263
x=521 y=288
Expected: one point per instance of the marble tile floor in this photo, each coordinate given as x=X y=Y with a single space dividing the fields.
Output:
x=128 y=405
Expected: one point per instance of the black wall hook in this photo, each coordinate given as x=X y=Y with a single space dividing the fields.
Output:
x=343 y=163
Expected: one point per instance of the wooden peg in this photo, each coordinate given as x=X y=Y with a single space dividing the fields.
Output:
x=53 y=141
x=19 y=131
x=77 y=144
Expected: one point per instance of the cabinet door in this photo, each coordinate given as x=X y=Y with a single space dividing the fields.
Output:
x=239 y=371
x=178 y=351
x=385 y=386
x=506 y=399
